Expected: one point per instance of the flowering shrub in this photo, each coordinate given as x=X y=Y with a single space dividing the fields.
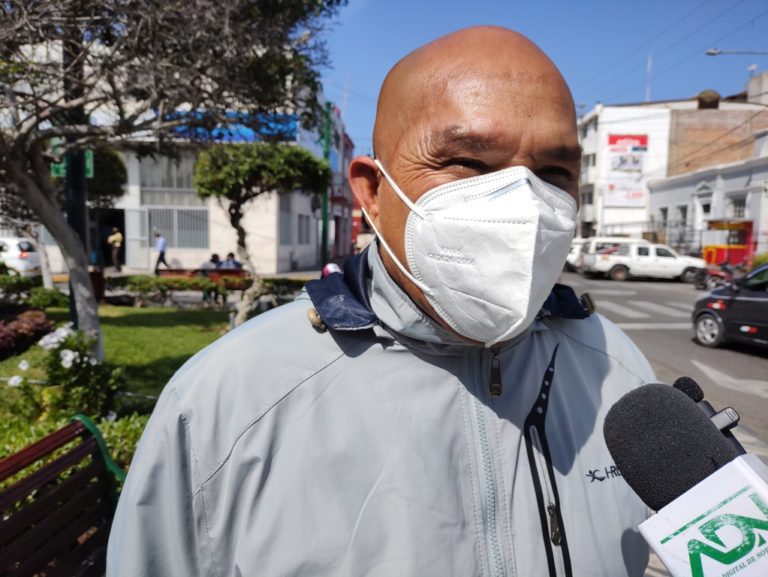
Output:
x=76 y=381
x=17 y=336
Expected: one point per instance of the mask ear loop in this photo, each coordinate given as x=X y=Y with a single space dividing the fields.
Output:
x=422 y=287
x=421 y=213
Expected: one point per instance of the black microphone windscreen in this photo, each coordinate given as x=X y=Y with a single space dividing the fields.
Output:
x=690 y=388
x=663 y=444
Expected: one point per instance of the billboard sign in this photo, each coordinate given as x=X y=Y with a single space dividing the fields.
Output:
x=625 y=186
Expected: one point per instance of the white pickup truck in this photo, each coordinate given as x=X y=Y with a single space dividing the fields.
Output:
x=642 y=259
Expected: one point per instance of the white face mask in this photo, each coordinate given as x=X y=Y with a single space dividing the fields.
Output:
x=487 y=250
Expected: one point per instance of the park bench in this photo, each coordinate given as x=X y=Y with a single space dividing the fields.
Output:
x=217 y=275
x=56 y=512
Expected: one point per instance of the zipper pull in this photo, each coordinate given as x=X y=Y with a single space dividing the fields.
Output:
x=554 y=525
x=495 y=387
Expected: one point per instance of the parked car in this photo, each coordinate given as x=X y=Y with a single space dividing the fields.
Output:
x=572 y=260
x=736 y=312
x=595 y=245
x=20 y=256
x=642 y=259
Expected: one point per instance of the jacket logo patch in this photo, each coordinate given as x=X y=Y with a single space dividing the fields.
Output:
x=603 y=474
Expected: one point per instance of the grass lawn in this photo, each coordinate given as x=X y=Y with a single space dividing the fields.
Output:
x=150 y=343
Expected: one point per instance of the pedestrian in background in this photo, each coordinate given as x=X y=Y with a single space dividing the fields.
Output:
x=231 y=262
x=160 y=245
x=115 y=242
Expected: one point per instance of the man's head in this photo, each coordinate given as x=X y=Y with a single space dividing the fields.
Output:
x=470 y=103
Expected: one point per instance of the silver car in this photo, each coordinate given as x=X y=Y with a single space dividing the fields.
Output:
x=20 y=256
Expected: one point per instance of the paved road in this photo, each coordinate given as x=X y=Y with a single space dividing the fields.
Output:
x=657 y=315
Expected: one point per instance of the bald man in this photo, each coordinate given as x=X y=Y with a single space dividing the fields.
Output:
x=435 y=409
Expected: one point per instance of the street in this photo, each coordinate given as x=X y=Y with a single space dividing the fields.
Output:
x=657 y=316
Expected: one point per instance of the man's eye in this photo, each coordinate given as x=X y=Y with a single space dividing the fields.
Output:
x=556 y=175
x=469 y=163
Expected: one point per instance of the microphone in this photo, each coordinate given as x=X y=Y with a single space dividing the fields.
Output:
x=724 y=420
x=712 y=500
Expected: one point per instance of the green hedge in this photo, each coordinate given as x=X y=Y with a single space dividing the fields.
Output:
x=760 y=259
x=121 y=435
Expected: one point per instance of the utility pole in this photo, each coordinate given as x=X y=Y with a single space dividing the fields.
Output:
x=648 y=76
x=326 y=133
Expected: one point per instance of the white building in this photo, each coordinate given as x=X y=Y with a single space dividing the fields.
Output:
x=284 y=231
x=716 y=197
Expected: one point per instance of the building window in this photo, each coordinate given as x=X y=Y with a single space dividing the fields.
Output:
x=166 y=172
x=181 y=227
x=706 y=209
x=284 y=224
x=303 y=228
x=663 y=216
x=738 y=207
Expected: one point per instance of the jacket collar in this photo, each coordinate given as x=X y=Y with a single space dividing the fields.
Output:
x=343 y=301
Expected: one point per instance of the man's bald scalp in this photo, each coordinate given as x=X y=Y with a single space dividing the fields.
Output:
x=422 y=77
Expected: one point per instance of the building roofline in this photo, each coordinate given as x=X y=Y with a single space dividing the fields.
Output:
x=709 y=171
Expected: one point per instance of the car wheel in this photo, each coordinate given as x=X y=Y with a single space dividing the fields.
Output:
x=619 y=273
x=689 y=275
x=709 y=332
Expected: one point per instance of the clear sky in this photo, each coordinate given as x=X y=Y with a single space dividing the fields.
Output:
x=601 y=46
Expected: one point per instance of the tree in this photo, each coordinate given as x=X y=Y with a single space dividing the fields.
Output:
x=236 y=174
x=124 y=72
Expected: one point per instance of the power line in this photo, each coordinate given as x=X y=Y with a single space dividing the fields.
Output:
x=696 y=52
x=678 y=42
x=643 y=45
x=691 y=155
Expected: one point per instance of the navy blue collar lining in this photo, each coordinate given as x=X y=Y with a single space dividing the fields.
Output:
x=343 y=303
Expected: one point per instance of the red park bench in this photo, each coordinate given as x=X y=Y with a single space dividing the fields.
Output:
x=57 y=504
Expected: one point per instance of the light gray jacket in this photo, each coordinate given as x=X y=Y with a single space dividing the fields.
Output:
x=288 y=450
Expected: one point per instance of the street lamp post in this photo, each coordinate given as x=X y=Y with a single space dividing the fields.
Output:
x=718 y=52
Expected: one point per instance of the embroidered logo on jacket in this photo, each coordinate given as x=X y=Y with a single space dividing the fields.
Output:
x=603 y=474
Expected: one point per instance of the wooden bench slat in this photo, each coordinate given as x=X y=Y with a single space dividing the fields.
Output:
x=42 y=505
x=48 y=472
x=58 y=525
x=58 y=545
x=19 y=461
x=89 y=558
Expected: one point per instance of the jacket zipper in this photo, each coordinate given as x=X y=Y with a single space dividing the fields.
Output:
x=489 y=497
x=555 y=528
x=543 y=476
x=495 y=387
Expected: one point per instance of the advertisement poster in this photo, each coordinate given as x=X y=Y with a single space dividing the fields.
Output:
x=626 y=158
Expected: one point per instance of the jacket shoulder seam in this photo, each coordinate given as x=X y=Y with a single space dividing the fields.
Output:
x=255 y=421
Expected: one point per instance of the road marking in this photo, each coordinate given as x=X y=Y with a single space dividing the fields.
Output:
x=687 y=307
x=752 y=386
x=661 y=309
x=612 y=292
x=654 y=326
x=620 y=310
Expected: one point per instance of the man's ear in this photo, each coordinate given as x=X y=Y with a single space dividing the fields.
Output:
x=364 y=181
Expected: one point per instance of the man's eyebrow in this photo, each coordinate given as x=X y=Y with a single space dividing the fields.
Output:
x=564 y=153
x=455 y=139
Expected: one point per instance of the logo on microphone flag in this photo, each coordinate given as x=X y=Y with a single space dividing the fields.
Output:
x=719 y=528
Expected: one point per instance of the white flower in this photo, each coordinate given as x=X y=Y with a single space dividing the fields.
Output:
x=111 y=416
x=93 y=361
x=66 y=363
x=24 y=365
x=15 y=381
x=67 y=355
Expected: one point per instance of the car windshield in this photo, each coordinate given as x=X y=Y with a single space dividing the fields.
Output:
x=26 y=246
